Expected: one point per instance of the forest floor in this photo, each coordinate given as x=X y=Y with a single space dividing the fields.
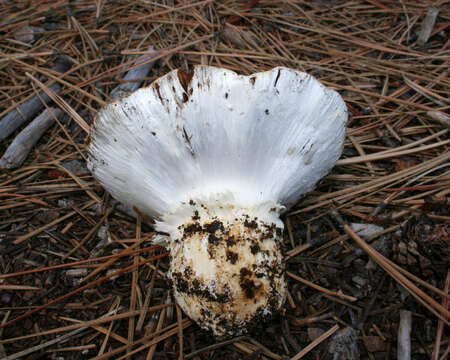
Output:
x=367 y=251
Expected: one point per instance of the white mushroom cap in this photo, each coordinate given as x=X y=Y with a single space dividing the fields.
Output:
x=214 y=147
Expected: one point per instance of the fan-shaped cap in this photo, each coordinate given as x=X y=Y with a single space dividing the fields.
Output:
x=267 y=136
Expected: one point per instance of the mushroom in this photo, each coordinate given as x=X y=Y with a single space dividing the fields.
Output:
x=215 y=158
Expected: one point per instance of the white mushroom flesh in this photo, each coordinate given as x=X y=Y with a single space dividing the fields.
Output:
x=215 y=157
x=226 y=263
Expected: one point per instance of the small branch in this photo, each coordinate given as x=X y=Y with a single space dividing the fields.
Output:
x=26 y=111
x=61 y=103
x=134 y=74
x=404 y=336
x=19 y=149
x=17 y=117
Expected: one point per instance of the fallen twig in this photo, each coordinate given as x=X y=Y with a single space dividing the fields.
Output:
x=26 y=111
x=61 y=103
x=17 y=152
x=134 y=74
x=404 y=336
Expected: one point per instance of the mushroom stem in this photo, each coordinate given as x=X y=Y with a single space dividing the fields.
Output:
x=226 y=264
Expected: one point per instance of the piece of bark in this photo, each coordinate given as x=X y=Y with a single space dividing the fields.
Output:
x=29 y=109
x=427 y=25
x=134 y=74
x=19 y=149
x=404 y=336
